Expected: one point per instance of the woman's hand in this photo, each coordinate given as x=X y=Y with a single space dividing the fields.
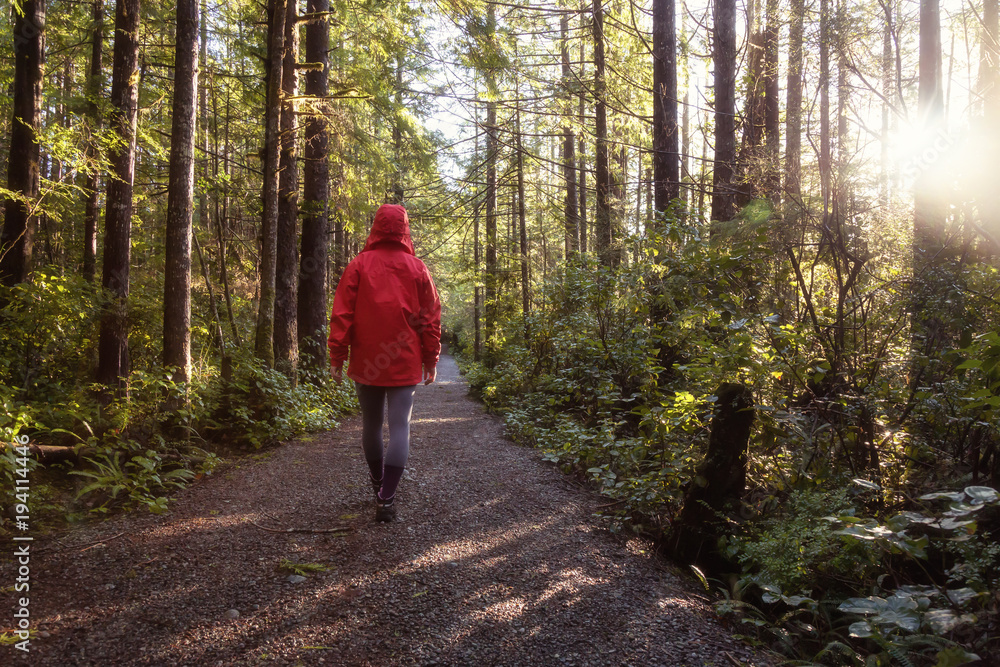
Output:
x=337 y=373
x=429 y=375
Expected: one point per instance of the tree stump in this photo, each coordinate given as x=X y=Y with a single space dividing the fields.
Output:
x=720 y=479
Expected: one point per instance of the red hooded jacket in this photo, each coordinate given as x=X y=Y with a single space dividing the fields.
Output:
x=386 y=309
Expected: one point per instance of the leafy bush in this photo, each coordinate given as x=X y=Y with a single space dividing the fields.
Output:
x=794 y=549
x=139 y=479
x=262 y=406
x=157 y=433
x=615 y=382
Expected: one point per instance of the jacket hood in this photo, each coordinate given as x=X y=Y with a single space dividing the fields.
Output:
x=391 y=224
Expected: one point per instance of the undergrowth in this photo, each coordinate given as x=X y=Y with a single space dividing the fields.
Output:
x=840 y=554
x=156 y=434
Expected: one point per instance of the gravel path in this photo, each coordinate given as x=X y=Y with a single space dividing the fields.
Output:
x=495 y=560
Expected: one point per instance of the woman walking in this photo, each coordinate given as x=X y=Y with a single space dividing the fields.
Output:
x=387 y=313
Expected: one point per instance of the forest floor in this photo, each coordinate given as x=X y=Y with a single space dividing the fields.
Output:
x=495 y=559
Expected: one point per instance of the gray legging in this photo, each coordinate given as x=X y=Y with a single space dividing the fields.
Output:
x=373 y=401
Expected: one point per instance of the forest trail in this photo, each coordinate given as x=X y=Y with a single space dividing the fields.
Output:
x=495 y=560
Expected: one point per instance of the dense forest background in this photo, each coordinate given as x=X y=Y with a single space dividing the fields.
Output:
x=735 y=264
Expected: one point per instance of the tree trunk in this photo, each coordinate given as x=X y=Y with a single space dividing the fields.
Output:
x=210 y=176
x=929 y=212
x=492 y=273
x=666 y=174
x=313 y=318
x=582 y=168
x=724 y=58
x=286 y=337
x=23 y=165
x=264 y=340
x=572 y=220
x=752 y=157
x=91 y=194
x=522 y=225
x=989 y=86
x=720 y=481
x=180 y=197
x=685 y=172
x=990 y=62
x=793 y=118
x=841 y=189
x=824 y=110
x=113 y=358
x=397 y=136
x=477 y=296
x=887 y=79
x=602 y=170
x=772 y=104
x=929 y=204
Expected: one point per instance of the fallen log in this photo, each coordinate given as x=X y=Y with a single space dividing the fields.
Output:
x=48 y=454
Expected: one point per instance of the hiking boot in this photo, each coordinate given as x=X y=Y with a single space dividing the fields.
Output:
x=385 y=510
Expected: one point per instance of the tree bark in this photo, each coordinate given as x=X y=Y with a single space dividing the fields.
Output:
x=180 y=197
x=929 y=211
x=841 y=188
x=793 y=118
x=492 y=270
x=824 y=110
x=286 y=338
x=210 y=175
x=91 y=194
x=398 y=190
x=931 y=282
x=113 y=359
x=989 y=90
x=772 y=103
x=602 y=168
x=990 y=62
x=522 y=225
x=666 y=173
x=477 y=296
x=724 y=58
x=685 y=172
x=24 y=164
x=887 y=88
x=313 y=318
x=264 y=339
x=582 y=168
x=721 y=478
x=572 y=219
x=753 y=156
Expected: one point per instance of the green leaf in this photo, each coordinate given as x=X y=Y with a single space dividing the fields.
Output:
x=701 y=576
x=953 y=524
x=957 y=497
x=861 y=629
x=946 y=620
x=863 y=606
x=982 y=494
x=961 y=596
x=955 y=656
x=907 y=620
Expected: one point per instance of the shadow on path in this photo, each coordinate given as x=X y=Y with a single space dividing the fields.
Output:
x=495 y=560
